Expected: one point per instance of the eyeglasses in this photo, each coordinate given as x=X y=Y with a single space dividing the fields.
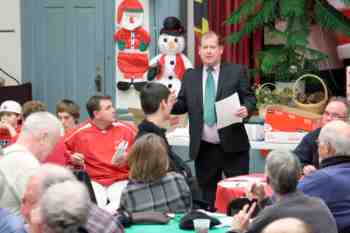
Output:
x=124 y=86
x=333 y=115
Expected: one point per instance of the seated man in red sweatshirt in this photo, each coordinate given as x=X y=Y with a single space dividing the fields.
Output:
x=101 y=144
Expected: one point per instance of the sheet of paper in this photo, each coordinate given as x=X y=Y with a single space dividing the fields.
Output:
x=226 y=109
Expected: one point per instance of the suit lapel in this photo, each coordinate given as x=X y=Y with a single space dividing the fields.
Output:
x=221 y=82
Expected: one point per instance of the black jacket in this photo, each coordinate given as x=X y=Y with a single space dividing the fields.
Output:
x=232 y=78
x=307 y=150
x=176 y=163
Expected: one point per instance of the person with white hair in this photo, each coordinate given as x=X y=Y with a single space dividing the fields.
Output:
x=288 y=225
x=307 y=151
x=331 y=183
x=98 y=220
x=39 y=134
x=283 y=172
x=63 y=208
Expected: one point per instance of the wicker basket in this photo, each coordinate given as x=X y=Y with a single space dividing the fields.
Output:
x=317 y=107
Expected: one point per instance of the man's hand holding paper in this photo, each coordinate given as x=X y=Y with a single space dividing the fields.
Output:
x=230 y=111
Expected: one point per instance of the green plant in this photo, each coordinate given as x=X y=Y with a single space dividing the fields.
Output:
x=292 y=57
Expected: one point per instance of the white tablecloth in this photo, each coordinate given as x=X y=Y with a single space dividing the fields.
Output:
x=180 y=137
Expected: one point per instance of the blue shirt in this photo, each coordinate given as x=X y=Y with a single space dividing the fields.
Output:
x=331 y=183
x=10 y=223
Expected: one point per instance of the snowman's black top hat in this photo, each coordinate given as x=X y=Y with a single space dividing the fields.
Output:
x=172 y=26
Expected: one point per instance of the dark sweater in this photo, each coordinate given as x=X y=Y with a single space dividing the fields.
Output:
x=176 y=163
x=146 y=127
x=312 y=210
x=307 y=150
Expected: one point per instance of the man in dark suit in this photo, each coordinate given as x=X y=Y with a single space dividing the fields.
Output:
x=215 y=150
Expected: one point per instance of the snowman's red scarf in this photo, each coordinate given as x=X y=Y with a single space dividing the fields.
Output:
x=179 y=66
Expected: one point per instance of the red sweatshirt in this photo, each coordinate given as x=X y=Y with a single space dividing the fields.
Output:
x=98 y=147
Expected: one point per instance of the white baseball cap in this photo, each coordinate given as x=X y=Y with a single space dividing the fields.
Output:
x=10 y=106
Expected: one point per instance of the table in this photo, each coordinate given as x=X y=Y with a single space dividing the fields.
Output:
x=235 y=187
x=171 y=227
x=180 y=137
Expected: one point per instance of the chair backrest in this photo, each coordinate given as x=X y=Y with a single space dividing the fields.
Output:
x=20 y=93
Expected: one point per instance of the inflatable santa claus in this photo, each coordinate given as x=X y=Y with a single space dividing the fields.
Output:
x=132 y=41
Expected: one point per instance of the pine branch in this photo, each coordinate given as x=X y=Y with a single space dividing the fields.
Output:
x=329 y=17
x=246 y=9
x=289 y=8
x=297 y=31
x=263 y=16
x=315 y=55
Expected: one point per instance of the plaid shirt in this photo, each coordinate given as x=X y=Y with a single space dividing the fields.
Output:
x=169 y=194
x=100 y=221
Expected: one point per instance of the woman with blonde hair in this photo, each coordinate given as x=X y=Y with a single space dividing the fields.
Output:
x=151 y=187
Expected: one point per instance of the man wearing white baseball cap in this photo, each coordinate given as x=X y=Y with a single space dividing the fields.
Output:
x=10 y=118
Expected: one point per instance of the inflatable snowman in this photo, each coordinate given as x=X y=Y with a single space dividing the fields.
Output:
x=170 y=65
x=132 y=41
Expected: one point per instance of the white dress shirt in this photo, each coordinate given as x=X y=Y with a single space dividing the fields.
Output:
x=210 y=133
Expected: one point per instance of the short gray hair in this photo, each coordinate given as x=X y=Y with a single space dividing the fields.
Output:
x=42 y=122
x=51 y=174
x=337 y=135
x=64 y=207
x=296 y=225
x=283 y=171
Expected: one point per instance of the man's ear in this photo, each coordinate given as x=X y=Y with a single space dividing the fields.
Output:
x=95 y=113
x=162 y=104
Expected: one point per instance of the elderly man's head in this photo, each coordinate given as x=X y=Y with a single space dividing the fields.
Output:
x=336 y=109
x=334 y=140
x=283 y=171
x=46 y=176
x=40 y=133
x=288 y=225
x=64 y=207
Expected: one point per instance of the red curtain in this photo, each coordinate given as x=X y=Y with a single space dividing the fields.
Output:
x=243 y=52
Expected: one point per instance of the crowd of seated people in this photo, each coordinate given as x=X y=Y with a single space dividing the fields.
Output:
x=134 y=169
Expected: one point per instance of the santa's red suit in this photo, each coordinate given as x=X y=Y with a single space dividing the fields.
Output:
x=131 y=62
x=98 y=147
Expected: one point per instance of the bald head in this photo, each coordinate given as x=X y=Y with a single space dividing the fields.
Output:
x=288 y=225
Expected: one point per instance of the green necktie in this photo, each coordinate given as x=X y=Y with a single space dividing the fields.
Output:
x=209 y=100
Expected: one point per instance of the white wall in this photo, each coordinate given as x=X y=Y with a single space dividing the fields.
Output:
x=190 y=32
x=10 y=42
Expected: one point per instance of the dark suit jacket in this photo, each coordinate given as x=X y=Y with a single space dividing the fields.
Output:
x=232 y=78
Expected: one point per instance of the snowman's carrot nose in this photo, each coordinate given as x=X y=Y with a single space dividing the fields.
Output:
x=171 y=44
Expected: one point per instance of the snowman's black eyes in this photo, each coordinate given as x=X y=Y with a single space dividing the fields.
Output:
x=175 y=40
x=165 y=39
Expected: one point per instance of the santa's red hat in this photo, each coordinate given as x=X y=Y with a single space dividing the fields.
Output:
x=129 y=5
